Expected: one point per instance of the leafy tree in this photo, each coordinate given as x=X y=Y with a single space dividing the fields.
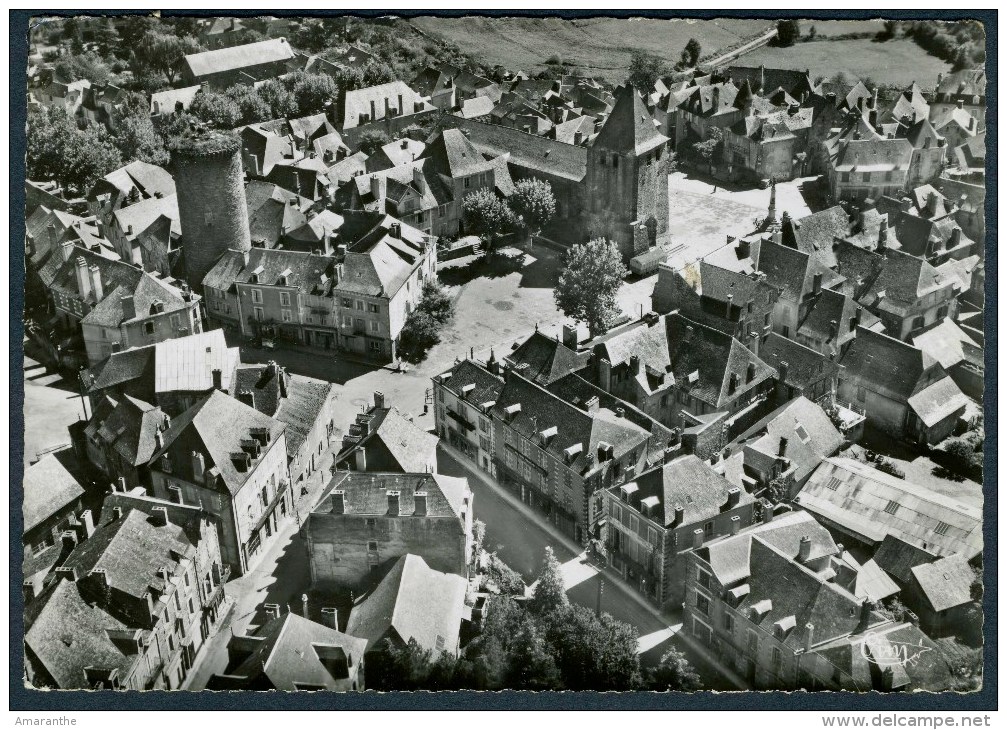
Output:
x=706 y=150
x=486 y=215
x=251 y=106
x=594 y=652
x=377 y=72
x=534 y=203
x=217 y=110
x=889 y=468
x=311 y=36
x=589 y=283
x=164 y=52
x=183 y=25
x=549 y=596
x=511 y=652
x=91 y=155
x=279 y=98
x=645 y=69
x=507 y=580
x=132 y=28
x=372 y=140
x=531 y=665
x=49 y=134
x=674 y=674
x=691 y=53
x=74 y=158
x=787 y=32
x=423 y=326
x=436 y=302
x=107 y=37
x=87 y=65
x=137 y=139
x=400 y=668
x=312 y=92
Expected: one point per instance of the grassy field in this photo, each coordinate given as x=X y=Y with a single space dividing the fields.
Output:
x=599 y=46
x=897 y=62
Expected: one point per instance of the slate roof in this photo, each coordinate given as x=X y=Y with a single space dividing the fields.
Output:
x=897 y=557
x=69 y=635
x=358 y=102
x=873 y=583
x=412 y=602
x=451 y=154
x=478 y=106
x=148 y=291
x=187 y=363
x=411 y=447
x=960 y=271
x=712 y=100
x=113 y=273
x=967 y=82
x=832 y=306
x=273 y=212
x=308 y=273
x=527 y=151
x=378 y=263
x=687 y=482
x=366 y=493
x=629 y=128
x=131 y=550
x=487 y=385
x=395 y=153
x=545 y=359
x=889 y=365
x=238 y=57
x=856 y=496
x=563 y=406
x=146 y=178
x=216 y=427
x=814 y=233
x=48 y=488
x=291 y=652
x=123 y=367
x=937 y=401
x=128 y=429
x=945 y=583
x=715 y=356
x=729 y=557
x=795 y=82
x=810 y=435
x=804 y=365
x=792 y=270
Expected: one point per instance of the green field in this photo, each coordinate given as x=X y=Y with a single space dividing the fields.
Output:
x=898 y=62
x=599 y=46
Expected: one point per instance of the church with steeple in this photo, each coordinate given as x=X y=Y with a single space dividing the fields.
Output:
x=626 y=185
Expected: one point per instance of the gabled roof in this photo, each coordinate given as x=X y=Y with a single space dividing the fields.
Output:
x=187 y=363
x=239 y=57
x=48 y=488
x=451 y=154
x=793 y=271
x=945 y=342
x=487 y=385
x=301 y=409
x=308 y=273
x=124 y=367
x=131 y=551
x=804 y=365
x=871 y=504
x=379 y=263
x=545 y=359
x=216 y=426
x=889 y=364
x=690 y=483
x=128 y=429
x=937 y=401
x=149 y=290
x=945 y=583
x=897 y=557
x=629 y=128
x=291 y=652
x=146 y=178
x=809 y=433
x=366 y=493
x=358 y=102
x=814 y=234
x=412 y=602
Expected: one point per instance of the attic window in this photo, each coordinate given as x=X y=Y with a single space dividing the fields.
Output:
x=802 y=433
x=942 y=528
x=892 y=507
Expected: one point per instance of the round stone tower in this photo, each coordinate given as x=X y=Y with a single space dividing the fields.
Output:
x=212 y=209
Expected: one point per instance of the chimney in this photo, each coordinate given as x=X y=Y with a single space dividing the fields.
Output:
x=605 y=374
x=99 y=292
x=159 y=516
x=716 y=97
x=360 y=458
x=121 y=483
x=679 y=515
x=956 y=238
x=809 y=637
x=247 y=397
x=28 y=591
x=872 y=118
x=570 y=336
x=83 y=281
x=420 y=503
x=767 y=512
x=256 y=165
x=67 y=573
x=67 y=250
x=116 y=513
x=744 y=249
x=697 y=538
x=804 y=551
x=198 y=467
x=272 y=610
x=69 y=540
x=304 y=605
x=373 y=109
x=635 y=364
x=393 y=503
x=395 y=229
x=750 y=372
x=128 y=307
x=86 y=524
x=961 y=103
x=218 y=379
x=377 y=187
x=782 y=369
x=730 y=300
x=972 y=124
x=379 y=400
x=883 y=235
x=733 y=497
x=783 y=446
x=419 y=182
x=735 y=525
x=338 y=502
x=330 y=617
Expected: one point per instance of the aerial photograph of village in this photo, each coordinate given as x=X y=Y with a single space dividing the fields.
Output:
x=486 y=353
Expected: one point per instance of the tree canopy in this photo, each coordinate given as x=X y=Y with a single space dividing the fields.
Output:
x=549 y=595
x=691 y=53
x=74 y=158
x=486 y=215
x=787 y=32
x=589 y=284
x=674 y=674
x=534 y=203
x=645 y=69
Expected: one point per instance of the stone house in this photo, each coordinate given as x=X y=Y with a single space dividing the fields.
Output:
x=219 y=69
x=364 y=520
x=382 y=439
x=232 y=460
x=651 y=521
x=51 y=505
x=463 y=397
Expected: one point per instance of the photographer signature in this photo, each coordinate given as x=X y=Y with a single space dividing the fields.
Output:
x=893 y=653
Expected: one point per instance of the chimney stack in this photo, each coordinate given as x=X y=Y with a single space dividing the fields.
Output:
x=733 y=497
x=159 y=516
x=83 y=280
x=697 y=538
x=570 y=336
x=128 y=307
x=379 y=400
x=804 y=551
x=96 y=286
x=420 y=503
x=809 y=637
x=218 y=379
x=883 y=235
x=393 y=503
x=679 y=515
x=735 y=525
x=783 y=446
x=198 y=467
x=86 y=524
x=338 y=502
x=330 y=617
x=304 y=605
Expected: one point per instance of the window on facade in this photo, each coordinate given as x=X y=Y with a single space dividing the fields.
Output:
x=285 y=298
x=346 y=302
x=259 y=314
x=867 y=177
x=373 y=308
x=708 y=530
x=148 y=328
x=174 y=494
x=216 y=306
x=285 y=315
x=753 y=643
x=703 y=579
x=370 y=522
x=375 y=326
x=359 y=305
x=468 y=183
x=257 y=296
x=484 y=443
x=634 y=523
x=615 y=161
x=347 y=321
x=845 y=177
x=702 y=604
x=372 y=546
x=728 y=623
x=375 y=346
x=888 y=176
x=652 y=537
x=777 y=658
x=861 y=393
